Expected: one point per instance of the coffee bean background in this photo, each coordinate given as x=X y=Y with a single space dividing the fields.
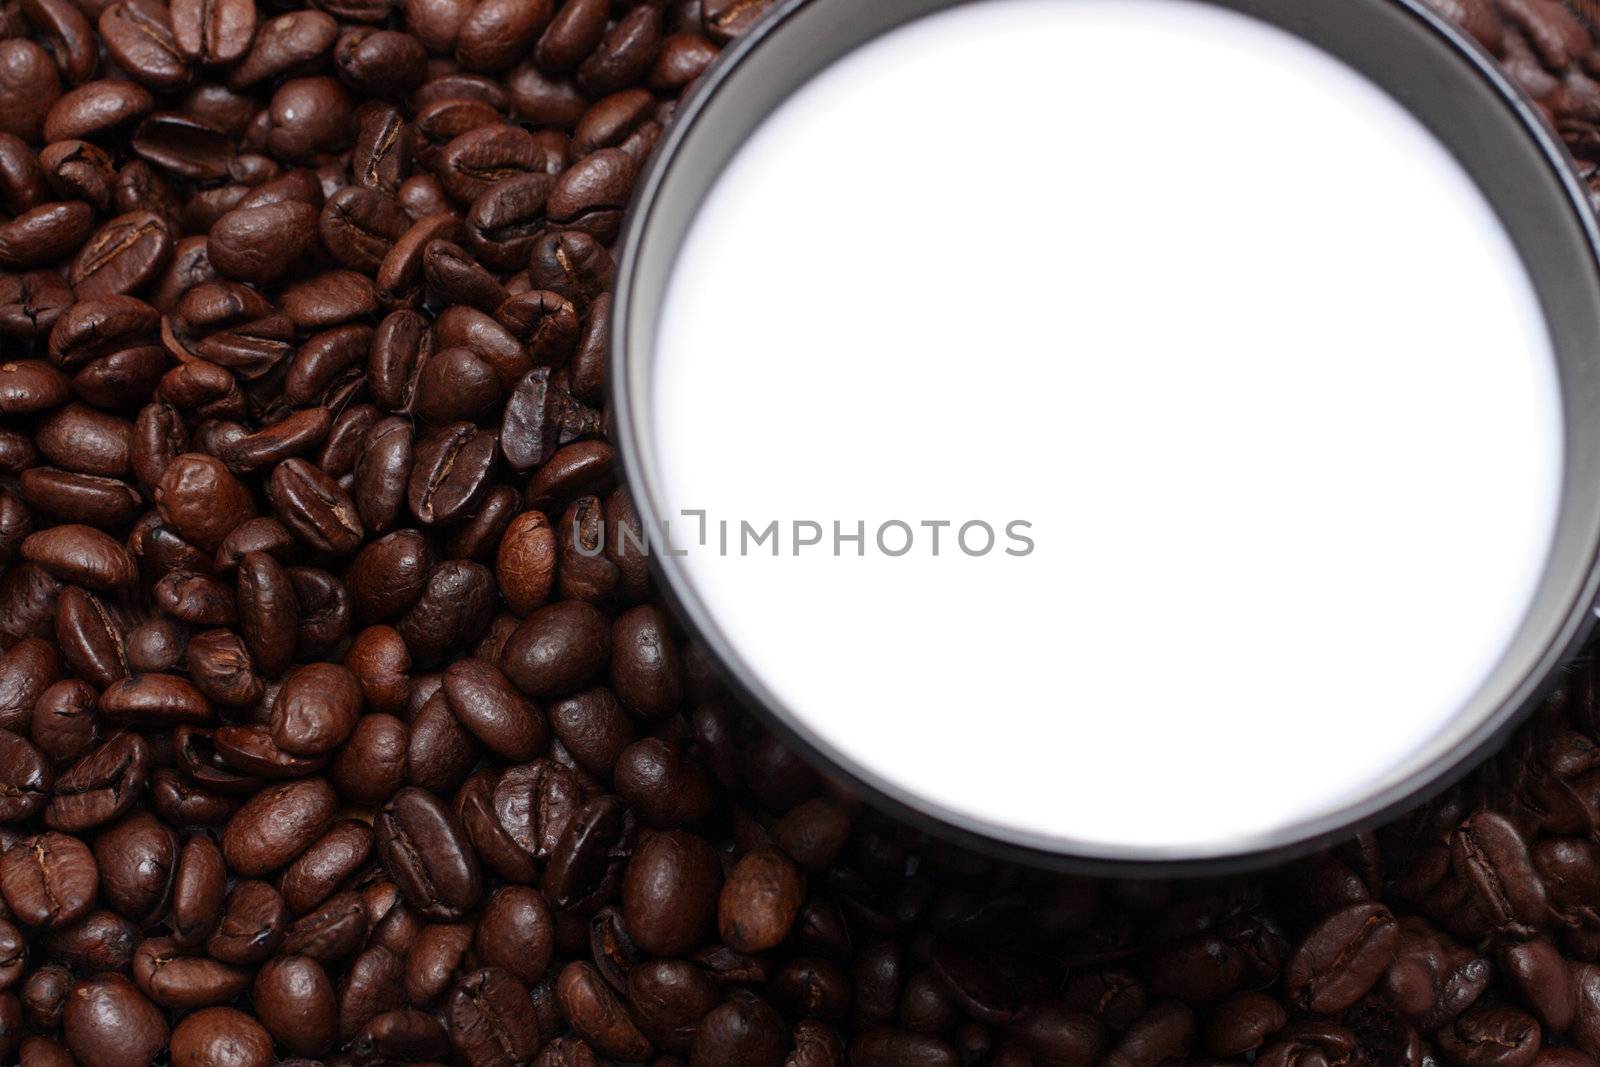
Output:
x=320 y=741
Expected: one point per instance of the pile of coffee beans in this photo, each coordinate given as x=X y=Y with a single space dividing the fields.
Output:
x=330 y=732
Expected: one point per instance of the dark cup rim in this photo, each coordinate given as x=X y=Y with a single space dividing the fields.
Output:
x=1577 y=612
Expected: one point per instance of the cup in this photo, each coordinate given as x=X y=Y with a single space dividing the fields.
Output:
x=1137 y=436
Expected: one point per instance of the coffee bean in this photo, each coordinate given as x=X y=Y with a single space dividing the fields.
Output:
x=493 y=711
x=137 y=858
x=557 y=649
x=296 y=1004
x=277 y=824
x=426 y=852
x=109 y=1023
x=101 y=786
x=221 y=1037
x=50 y=880
x=252 y=925
x=598 y=1015
x=488 y=1019
x=669 y=898
x=1339 y=960
x=315 y=507
x=316 y=709
x=174 y=980
x=214 y=34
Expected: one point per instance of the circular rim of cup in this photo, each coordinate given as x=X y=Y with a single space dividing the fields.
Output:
x=1574 y=611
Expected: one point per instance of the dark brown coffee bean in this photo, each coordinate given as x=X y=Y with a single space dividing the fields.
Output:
x=535 y=803
x=252 y=925
x=281 y=44
x=202 y=500
x=96 y=108
x=493 y=711
x=663 y=784
x=590 y=195
x=557 y=649
x=109 y=1023
x=198 y=891
x=598 y=1015
x=277 y=824
x=1497 y=1034
x=398 y=344
x=220 y=666
x=124 y=256
x=50 y=880
x=669 y=898
x=488 y=1020
x=180 y=981
x=30 y=80
x=451 y=473
x=63 y=724
x=184 y=146
x=258 y=244
x=296 y=1003
x=360 y=224
x=1490 y=854
x=370 y=768
x=221 y=1037
x=315 y=507
x=456 y=605
x=44 y=234
x=625 y=55
x=1342 y=957
x=101 y=786
x=316 y=709
x=137 y=858
x=213 y=34
x=516 y=933
x=427 y=854
x=155 y=700
x=578 y=26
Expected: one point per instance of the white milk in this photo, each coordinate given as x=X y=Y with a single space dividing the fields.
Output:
x=1214 y=315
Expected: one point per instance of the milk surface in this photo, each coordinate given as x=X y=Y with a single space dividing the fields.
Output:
x=1230 y=355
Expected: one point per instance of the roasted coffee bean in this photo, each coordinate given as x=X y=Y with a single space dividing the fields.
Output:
x=557 y=649
x=172 y=979
x=669 y=899
x=455 y=608
x=598 y=1014
x=1497 y=1035
x=284 y=43
x=64 y=725
x=109 y=1023
x=155 y=700
x=137 y=859
x=661 y=783
x=202 y=500
x=426 y=852
x=488 y=1019
x=198 y=891
x=25 y=780
x=49 y=880
x=221 y=1037
x=316 y=709
x=277 y=824
x=760 y=901
x=296 y=1003
x=252 y=925
x=493 y=711
x=315 y=507
x=1340 y=960
x=100 y=787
